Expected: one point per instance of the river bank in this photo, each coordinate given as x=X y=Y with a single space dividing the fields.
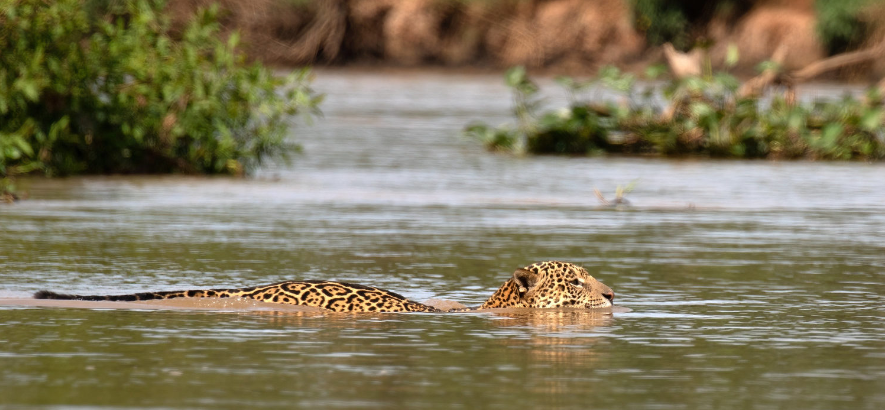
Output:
x=560 y=36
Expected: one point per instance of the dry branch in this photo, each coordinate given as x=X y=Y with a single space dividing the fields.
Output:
x=838 y=61
x=756 y=85
x=325 y=35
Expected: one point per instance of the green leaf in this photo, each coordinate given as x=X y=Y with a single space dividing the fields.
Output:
x=830 y=134
x=515 y=76
x=768 y=65
x=58 y=127
x=654 y=71
x=233 y=40
x=726 y=81
x=23 y=145
x=701 y=109
x=732 y=55
x=871 y=120
x=28 y=88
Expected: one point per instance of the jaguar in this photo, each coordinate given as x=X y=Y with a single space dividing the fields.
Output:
x=550 y=284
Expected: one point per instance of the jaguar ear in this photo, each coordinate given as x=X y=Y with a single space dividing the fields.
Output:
x=525 y=280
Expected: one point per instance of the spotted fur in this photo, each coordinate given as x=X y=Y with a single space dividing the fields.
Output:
x=541 y=285
x=550 y=285
x=334 y=296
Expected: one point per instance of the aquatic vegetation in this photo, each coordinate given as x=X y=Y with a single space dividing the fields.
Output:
x=702 y=115
x=122 y=92
x=618 y=201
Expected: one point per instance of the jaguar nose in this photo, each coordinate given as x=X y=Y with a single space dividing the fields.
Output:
x=610 y=295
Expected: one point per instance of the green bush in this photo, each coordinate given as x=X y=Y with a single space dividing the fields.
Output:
x=571 y=131
x=839 y=24
x=705 y=116
x=576 y=130
x=662 y=21
x=122 y=93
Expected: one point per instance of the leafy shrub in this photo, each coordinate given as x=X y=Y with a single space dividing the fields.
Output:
x=120 y=93
x=705 y=116
x=839 y=24
x=661 y=21
x=576 y=130
x=570 y=131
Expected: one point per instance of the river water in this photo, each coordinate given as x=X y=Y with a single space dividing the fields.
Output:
x=742 y=284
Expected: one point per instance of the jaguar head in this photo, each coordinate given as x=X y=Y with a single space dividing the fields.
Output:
x=552 y=284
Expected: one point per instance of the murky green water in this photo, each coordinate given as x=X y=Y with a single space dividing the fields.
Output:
x=753 y=285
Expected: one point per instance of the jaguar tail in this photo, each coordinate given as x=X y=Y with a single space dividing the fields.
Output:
x=45 y=294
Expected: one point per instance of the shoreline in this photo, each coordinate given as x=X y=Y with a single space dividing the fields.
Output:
x=550 y=37
x=546 y=73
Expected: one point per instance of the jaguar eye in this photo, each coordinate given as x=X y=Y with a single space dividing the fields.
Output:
x=577 y=282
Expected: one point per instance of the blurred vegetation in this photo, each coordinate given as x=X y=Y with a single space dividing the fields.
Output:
x=662 y=21
x=841 y=25
x=702 y=115
x=107 y=87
